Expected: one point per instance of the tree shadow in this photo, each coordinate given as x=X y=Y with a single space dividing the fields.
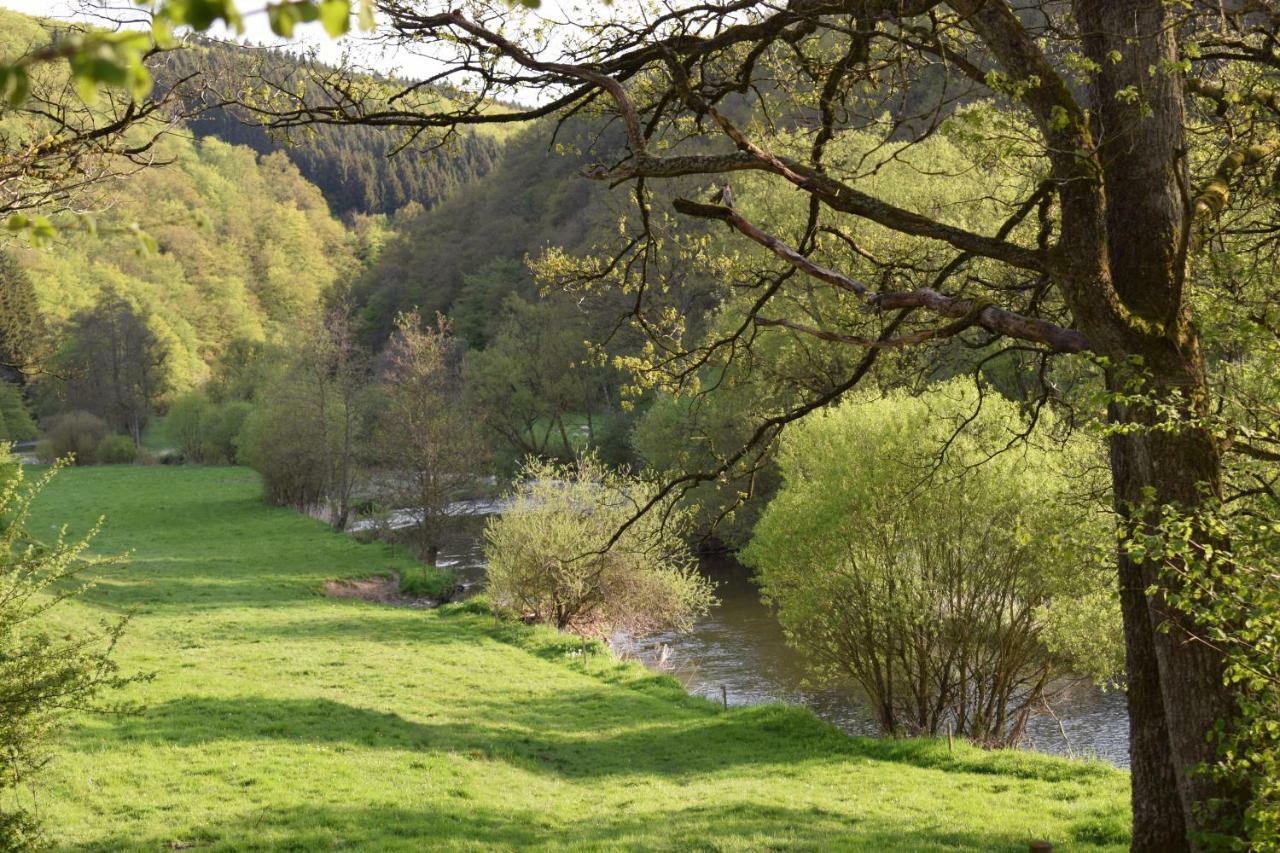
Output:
x=742 y=825
x=574 y=735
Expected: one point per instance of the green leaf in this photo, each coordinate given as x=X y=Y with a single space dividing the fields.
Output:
x=162 y=32
x=366 y=19
x=42 y=231
x=282 y=20
x=335 y=15
x=140 y=81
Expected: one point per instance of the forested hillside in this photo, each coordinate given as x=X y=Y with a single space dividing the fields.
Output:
x=358 y=169
x=217 y=246
x=469 y=253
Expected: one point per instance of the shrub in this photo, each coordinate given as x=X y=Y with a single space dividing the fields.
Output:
x=44 y=672
x=955 y=586
x=550 y=559
x=220 y=428
x=206 y=432
x=116 y=449
x=291 y=456
x=309 y=425
x=429 y=582
x=76 y=434
x=183 y=424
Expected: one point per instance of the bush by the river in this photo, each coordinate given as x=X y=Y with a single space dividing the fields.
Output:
x=74 y=434
x=205 y=431
x=116 y=449
x=957 y=573
x=551 y=561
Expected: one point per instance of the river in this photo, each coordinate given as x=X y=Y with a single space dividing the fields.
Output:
x=739 y=646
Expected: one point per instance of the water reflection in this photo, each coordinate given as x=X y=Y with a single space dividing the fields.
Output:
x=739 y=647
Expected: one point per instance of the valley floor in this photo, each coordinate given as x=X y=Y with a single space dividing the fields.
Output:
x=281 y=719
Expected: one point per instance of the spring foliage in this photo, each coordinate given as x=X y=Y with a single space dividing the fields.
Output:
x=550 y=558
x=44 y=673
x=947 y=575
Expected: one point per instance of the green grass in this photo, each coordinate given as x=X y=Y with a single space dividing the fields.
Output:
x=428 y=581
x=155 y=437
x=281 y=719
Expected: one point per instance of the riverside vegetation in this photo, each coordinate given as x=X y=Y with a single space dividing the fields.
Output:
x=278 y=717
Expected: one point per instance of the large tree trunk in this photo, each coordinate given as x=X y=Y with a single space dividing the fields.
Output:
x=1175 y=685
x=1176 y=690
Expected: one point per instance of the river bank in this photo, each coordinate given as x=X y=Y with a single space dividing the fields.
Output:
x=738 y=653
x=279 y=718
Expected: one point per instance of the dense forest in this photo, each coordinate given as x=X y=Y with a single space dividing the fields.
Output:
x=359 y=170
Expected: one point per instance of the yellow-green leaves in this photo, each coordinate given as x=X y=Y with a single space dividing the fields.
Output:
x=39 y=229
x=199 y=15
x=285 y=16
x=333 y=15
x=114 y=60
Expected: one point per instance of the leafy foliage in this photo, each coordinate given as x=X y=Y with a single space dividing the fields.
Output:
x=533 y=376
x=241 y=248
x=468 y=252
x=16 y=423
x=550 y=558
x=45 y=673
x=75 y=435
x=424 y=440
x=309 y=425
x=113 y=364
x=23 y=337
x=902 y=552
x=116 y=449
x=1222 y=564
x=205 y=431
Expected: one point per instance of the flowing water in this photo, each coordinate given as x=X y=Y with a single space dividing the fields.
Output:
x=737 y=652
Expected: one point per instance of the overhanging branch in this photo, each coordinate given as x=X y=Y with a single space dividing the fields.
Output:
x=966 y=312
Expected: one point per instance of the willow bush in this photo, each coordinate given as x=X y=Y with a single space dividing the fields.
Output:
x=919 y=548
x=551 y=559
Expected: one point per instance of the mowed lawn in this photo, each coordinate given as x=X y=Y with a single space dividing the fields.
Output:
x=280 y=719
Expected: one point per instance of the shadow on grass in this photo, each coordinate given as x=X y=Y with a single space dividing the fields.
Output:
x=574 y=735
x=740 y=825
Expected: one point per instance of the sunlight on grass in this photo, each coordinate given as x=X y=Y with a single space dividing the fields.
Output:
x=279 y=718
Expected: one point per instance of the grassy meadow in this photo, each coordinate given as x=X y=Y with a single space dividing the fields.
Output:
x=278 y=718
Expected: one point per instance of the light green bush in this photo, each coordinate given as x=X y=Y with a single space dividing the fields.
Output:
x=204 y=431
x=116 y=449
x=45 y=672
x=183 y=424
x=550 y=557
x=920 y=549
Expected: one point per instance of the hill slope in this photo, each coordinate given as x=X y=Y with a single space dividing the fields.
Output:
x=282 y=719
